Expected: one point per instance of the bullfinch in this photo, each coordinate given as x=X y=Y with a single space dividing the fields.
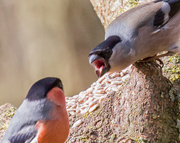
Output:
x=139 y=33
x=42 y=117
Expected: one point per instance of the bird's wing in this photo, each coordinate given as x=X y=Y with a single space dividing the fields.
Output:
x=24 y=135
x=154 y=14
x=161 y=16
x=166 y=12
x=161 y=32
x=22 y=138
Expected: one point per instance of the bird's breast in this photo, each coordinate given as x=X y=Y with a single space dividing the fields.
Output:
x=54 y=131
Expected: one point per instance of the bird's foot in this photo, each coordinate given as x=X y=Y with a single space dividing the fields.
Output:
x=157 y=58
x=154 y=58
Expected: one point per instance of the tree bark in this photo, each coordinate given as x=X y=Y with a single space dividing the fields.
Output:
x=141 y=108
x=144 y=109
x=141 y=111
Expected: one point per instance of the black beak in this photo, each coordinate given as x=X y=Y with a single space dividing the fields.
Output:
x=100 y=64
x=93 y=57
x=100 y=55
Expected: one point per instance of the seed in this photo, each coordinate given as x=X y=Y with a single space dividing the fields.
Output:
x=94 y=84
x=81 y=100
x=125 y=77
x=70 y=103
x=67 y=98
x=115 y=74
x=90 y=95
x=107 y=81
x=89 y=101
x=83 y=111
x=78 y=110
x=99 y=91
x=84 y=107
x=101 y=99
x=93 y=108
x=74 y=106
x=109 y=73
x=72 y=113
x=77 y=123
x=70 y=110
x=101 y=79
x=89 y=90
x=91 y=104
x=98 y=95
x=116 y=82
x=95 y=101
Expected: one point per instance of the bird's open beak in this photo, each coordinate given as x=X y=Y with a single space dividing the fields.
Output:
x=100 y=64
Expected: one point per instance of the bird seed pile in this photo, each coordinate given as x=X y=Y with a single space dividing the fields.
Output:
x=89 y=100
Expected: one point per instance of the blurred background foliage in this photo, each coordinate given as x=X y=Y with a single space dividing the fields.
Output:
x=40 y=38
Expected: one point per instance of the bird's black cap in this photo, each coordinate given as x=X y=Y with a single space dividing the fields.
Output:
x=42 y=87
x=104 y=49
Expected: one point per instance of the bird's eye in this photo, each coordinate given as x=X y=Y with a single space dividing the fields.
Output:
x=108 y=51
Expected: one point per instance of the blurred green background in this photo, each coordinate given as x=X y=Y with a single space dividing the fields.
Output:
x=40 y=38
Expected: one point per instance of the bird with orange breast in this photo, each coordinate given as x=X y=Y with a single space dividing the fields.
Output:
x=42 y=117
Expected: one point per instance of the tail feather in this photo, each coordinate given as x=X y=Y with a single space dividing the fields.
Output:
x=175 y=6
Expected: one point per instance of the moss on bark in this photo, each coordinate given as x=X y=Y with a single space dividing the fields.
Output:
x=142 y=111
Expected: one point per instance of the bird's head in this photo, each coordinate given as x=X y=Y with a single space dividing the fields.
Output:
x=47 y=93
x=100 y=56
x=42 y=117
x=40 y=89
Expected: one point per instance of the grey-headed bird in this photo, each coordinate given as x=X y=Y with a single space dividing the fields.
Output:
x=139 y=33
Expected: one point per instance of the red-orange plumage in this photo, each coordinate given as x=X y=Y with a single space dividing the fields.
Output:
x=57 y=129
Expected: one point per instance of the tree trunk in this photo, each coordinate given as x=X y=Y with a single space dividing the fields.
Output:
x=41 y=38
x=143 y=108
x=138 y=104
x=140 y=111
